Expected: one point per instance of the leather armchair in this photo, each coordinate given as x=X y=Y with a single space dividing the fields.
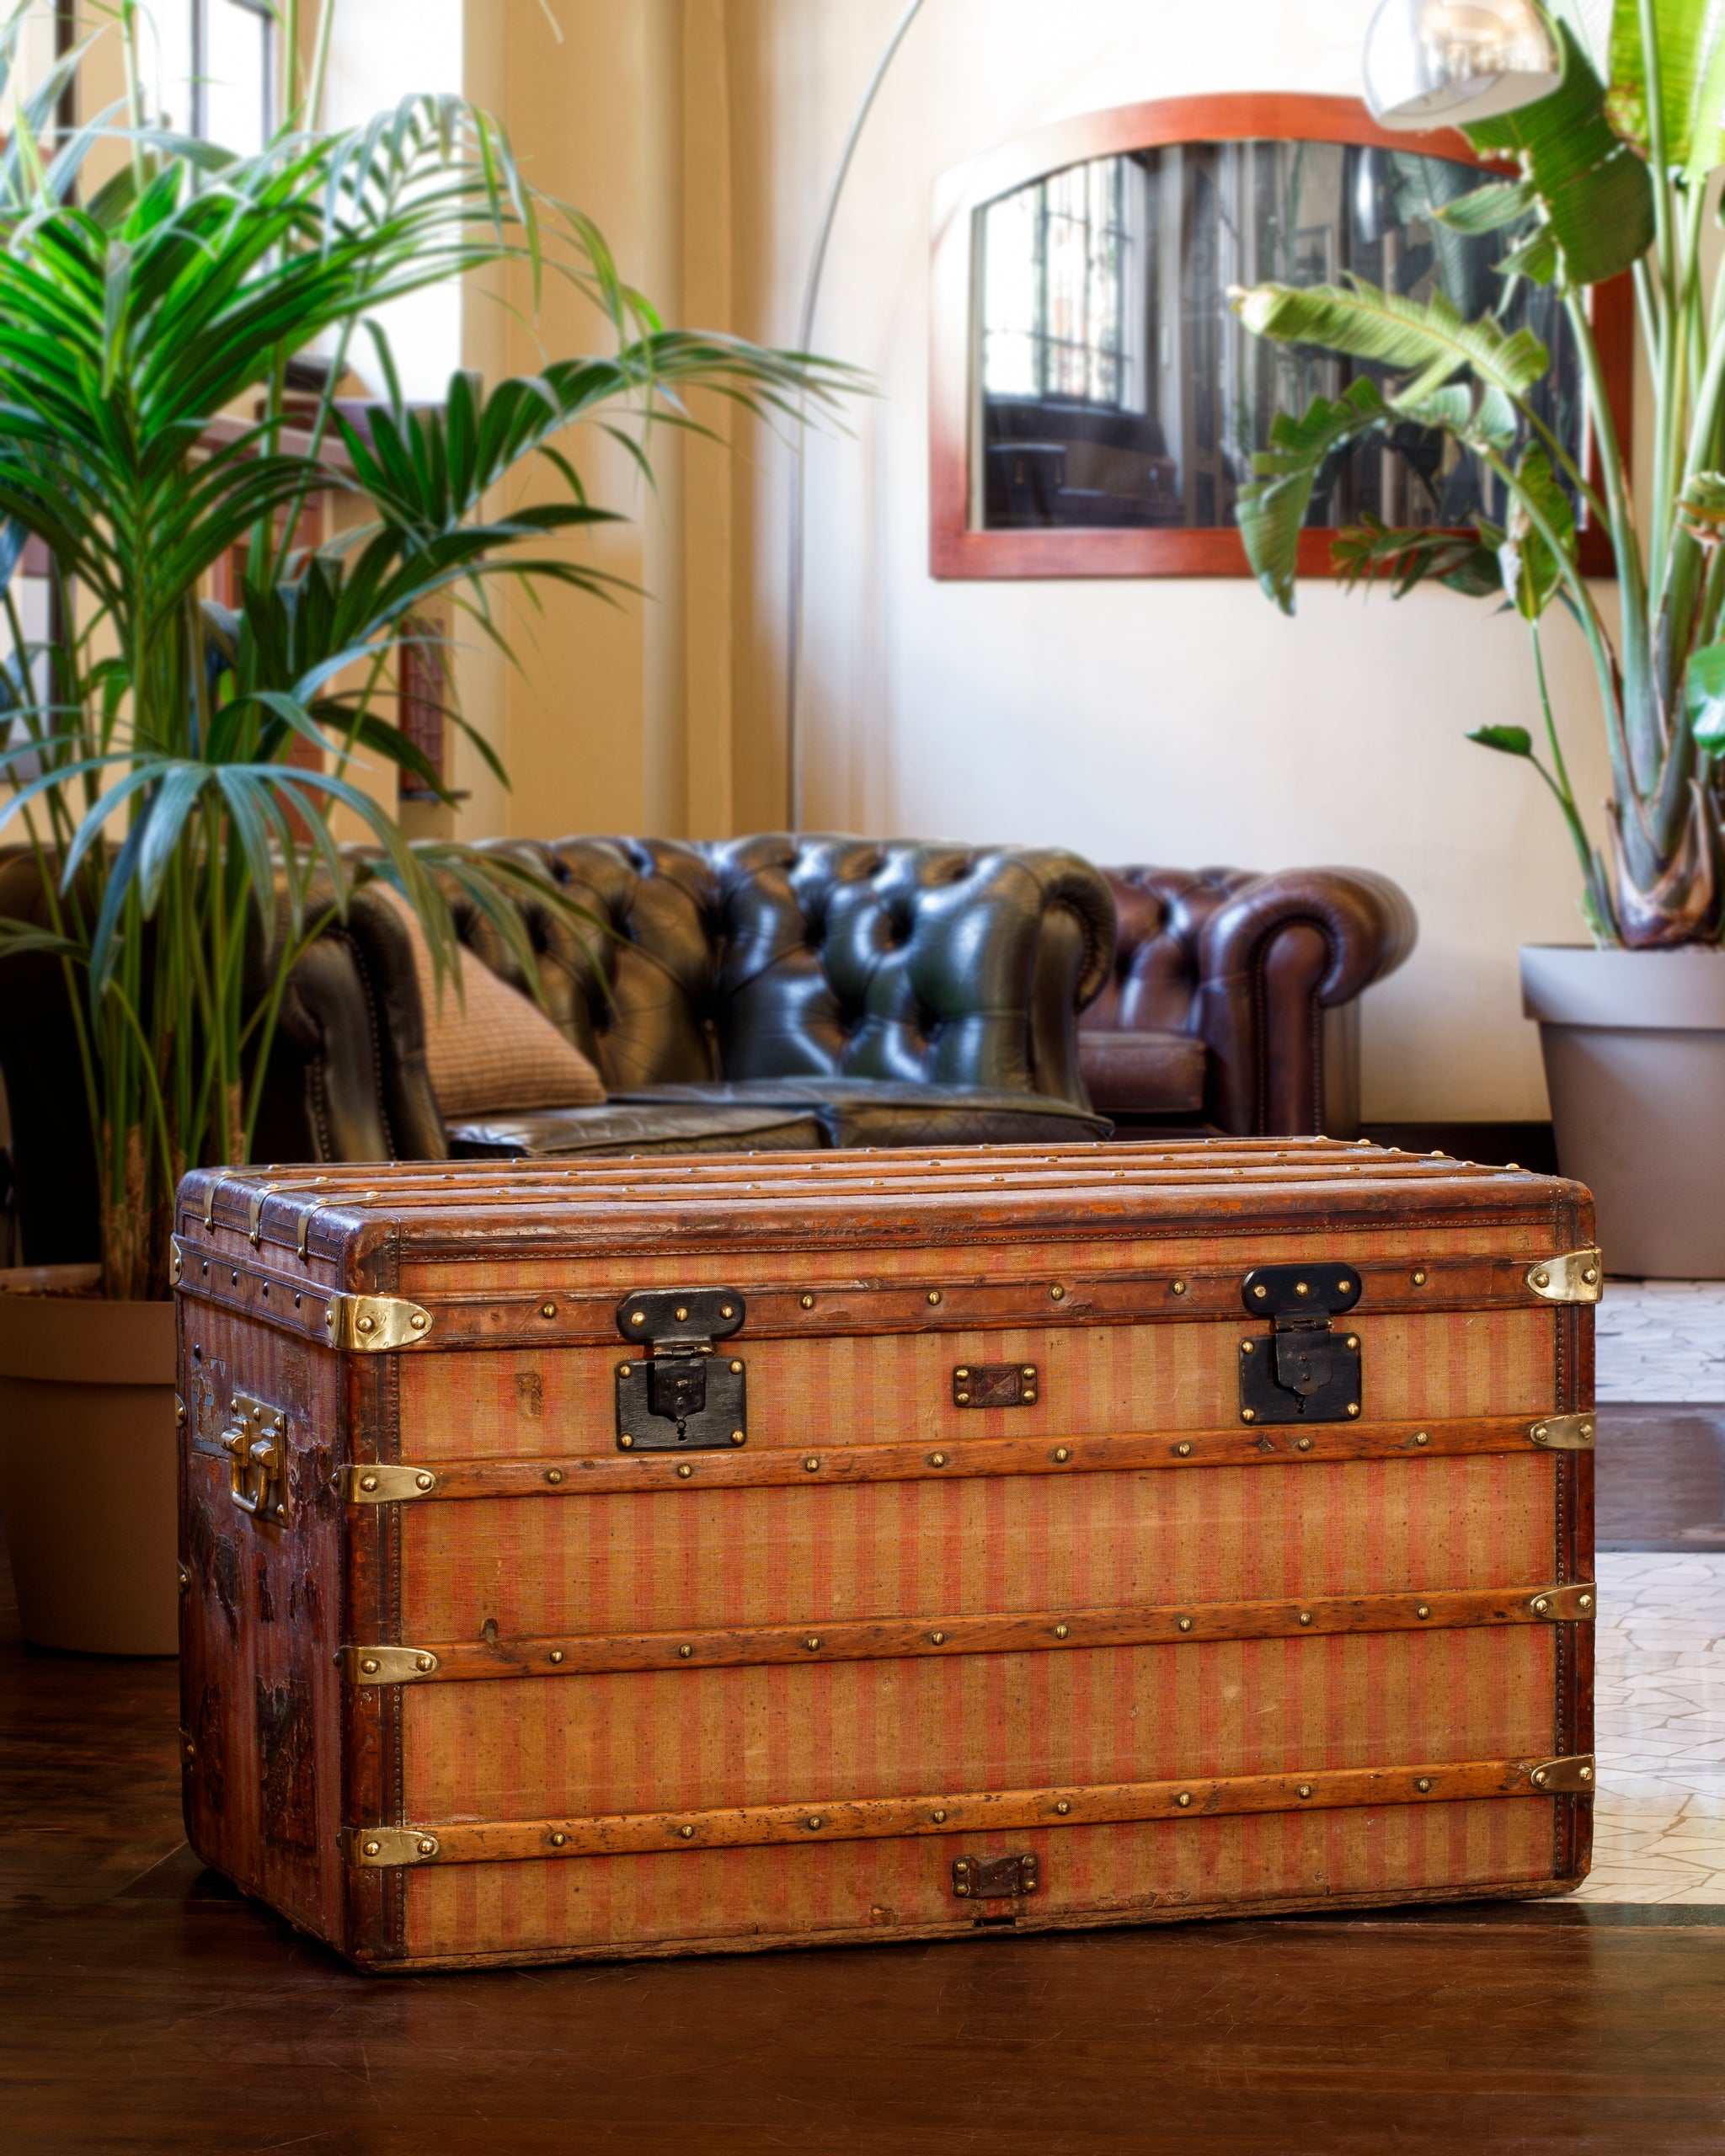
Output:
x=1232 y=999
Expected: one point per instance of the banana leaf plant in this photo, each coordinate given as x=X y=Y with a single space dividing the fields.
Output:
x=1609 y=174
x=176 y=765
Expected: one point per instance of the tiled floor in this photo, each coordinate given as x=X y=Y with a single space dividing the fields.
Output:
x=1662 y=1340
x=1659 y=1819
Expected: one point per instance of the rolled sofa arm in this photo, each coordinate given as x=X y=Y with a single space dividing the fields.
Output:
x=1274 y=958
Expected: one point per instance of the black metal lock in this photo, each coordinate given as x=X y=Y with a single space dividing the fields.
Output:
x=1303 y=1370
x=681 y=1394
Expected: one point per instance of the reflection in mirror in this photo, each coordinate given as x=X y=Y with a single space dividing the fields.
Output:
x=1117 y=388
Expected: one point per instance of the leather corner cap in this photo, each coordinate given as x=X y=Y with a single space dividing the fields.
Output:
x=1143 y=1073
x=619 y=1130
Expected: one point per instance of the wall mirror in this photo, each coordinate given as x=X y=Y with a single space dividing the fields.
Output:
x=1097 y=403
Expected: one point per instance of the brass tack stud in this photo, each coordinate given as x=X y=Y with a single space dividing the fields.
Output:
x=424 y=1481
x=1422 y=1610
x=1248 y=1414
x=369 y=1664
x=815 y=1821
x=934 y=1295
x=1302 y=1287
x=1029 y=1400
x=1183 y=1449
x=1062 y=1807
x=1584 y=1774
x=961 y=1888
x=963 y=1373
x=727 y=1309
x=688 y=1833
x=1061 y=1631
x=1302 y=1444
x=1354 y=1340
x=638 y=1317
x=548 y=1309
x=427 y=1847
x=807 y=1301
x=1304 y=1789
x=937 y=1460
x=1423 y=1785
x=364 y=1325
x=1353 y=1407
x=684 y=1470
x=683 y=1315
x=1057 y=1294
x=736 y=1369
x=558 y=1840
x=1538 y=1775
x=686 y=1651
x=553 y=1474
x=372 y=1848
x=1541 y=1606
x=1185 y=1624
x=938 y=1818
x=1305 y=1616
x=961 y=1399
x=1583 y=1602
x=1260 y=1291
x=1178 y=1286
x=368 y=1482
x=1422 y=1437
x=812 y=1641
x=625 y=1439
x=1542 y=1279
x=938 y=1639
x=1245 y=1347
x=624 y=1369
x=1590 y=1273
x=740 y=1437
x=1183 y=1798
x=556 y=1655
x=419 y=1321
x=1419 y=1279
x=1063 y=1453
x=425 y=1662
x=811 y=1462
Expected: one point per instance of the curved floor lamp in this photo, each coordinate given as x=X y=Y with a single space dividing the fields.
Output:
x=805 y=335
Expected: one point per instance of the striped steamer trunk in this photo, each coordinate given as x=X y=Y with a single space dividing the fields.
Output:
x=685 y=1556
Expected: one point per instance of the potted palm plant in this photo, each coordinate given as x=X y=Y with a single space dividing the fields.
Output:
x=175 y=766
x=1607 y=158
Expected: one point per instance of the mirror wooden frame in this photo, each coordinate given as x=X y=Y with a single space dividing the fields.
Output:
x=959 y=549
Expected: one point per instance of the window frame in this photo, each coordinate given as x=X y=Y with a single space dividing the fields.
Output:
x=959 y=549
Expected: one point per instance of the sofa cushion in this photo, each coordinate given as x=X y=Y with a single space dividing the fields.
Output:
x=489 y=1048
x=860 y=1112
x=623 y=1129
x=1148 y=1073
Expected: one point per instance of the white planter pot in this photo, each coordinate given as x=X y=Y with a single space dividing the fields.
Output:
x=89 y=1468
x=1634 y=1045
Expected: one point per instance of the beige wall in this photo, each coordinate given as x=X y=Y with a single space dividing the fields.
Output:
x=1169 y=721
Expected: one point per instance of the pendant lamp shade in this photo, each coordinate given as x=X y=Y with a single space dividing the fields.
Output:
x=1443 y=62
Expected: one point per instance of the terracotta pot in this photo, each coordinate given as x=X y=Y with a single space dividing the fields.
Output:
x=88 y=1465
x=1634 y=1044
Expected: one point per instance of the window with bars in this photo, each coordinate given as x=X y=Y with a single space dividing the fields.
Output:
x=1058 y=274
x=215 y=70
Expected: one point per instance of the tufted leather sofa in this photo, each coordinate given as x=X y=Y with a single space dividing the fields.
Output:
x=1233 y=997
x=872 y=993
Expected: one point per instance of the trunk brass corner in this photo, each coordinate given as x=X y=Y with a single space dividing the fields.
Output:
x=1579 y=1276
x=386 y=1665
x=1569 y=1777
x=382 y=1848
x=1563 y=1432
x=368 y=1324
x=364 y=1485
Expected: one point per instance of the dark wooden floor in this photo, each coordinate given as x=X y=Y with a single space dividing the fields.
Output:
x=144 y=2007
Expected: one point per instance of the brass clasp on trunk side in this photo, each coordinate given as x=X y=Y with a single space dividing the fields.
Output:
x=256 y=1445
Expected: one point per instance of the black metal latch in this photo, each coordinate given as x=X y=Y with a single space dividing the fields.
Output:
x=1303 y=1370
x=680 y=1395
